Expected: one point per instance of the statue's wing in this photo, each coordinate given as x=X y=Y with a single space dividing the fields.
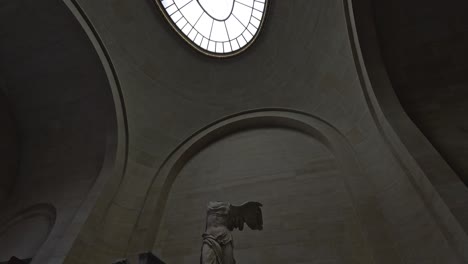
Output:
x=249 y=213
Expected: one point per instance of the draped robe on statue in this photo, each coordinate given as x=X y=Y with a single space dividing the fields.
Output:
x=221 y=219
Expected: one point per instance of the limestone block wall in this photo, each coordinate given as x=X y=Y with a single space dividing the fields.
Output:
x=314 y=209
x=308 y=209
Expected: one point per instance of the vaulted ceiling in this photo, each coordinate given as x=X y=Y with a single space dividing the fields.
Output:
x=424 y=45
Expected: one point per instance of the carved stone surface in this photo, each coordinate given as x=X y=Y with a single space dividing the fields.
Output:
x=221 y=219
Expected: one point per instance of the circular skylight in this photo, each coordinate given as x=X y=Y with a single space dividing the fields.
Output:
x=217 y=27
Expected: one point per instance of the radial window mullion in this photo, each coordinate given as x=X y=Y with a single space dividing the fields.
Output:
x=216 y=26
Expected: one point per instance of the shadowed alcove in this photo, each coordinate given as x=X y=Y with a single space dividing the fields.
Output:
x=423 y=45
x=62 y=114
x=413 y=63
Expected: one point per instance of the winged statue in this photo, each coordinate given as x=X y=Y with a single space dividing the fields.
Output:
x=221 y=219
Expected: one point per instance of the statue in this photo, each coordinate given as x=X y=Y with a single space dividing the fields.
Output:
x=221 y=219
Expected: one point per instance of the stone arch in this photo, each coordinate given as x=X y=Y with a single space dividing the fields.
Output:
x=66 y=100
x=358 y=187
x=424 y=166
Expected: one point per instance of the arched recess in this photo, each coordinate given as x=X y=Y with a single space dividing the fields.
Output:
x=23 y=235
x=68 y=107
x=359 y=190
x=307 y=208
x=89 y=218
x=444 y=194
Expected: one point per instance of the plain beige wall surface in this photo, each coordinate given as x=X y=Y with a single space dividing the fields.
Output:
x=308 y=212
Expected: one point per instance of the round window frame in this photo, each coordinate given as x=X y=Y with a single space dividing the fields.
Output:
x=207 y=52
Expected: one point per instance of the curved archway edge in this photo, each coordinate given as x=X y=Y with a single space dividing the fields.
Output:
x=355 y=180
x=390 y=118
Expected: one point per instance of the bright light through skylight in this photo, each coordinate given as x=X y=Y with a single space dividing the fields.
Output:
x=217 y=26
